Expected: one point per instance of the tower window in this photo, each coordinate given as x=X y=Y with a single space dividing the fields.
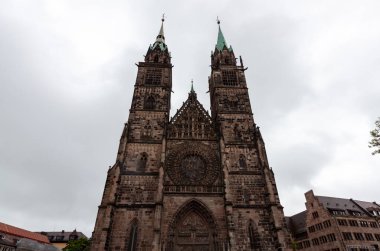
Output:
x=229 y=78
x=242 y=162
x=149 y=103
x=153 y=77
x=142 y=161
x=254 y=237
x=132 y=243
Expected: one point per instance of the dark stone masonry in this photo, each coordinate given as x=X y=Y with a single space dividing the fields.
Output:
x=196 y=181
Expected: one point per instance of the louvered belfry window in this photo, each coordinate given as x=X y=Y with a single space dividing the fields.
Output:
x=153 y=77
x=229 y=78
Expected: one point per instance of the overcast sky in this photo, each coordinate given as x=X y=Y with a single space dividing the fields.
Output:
x=67 y=70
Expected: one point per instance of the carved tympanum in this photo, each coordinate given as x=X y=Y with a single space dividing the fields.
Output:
x=193 y=228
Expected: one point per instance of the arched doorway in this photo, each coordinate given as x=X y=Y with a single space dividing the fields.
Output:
x=193 y=229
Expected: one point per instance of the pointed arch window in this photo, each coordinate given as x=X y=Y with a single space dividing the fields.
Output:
x=242 y=162
x=150 y=103
x=147 y=131
x=254 y=237
x=132 y=242
x=142 y=162
x=237 y=132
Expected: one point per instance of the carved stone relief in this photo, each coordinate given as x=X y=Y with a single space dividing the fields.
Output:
x=192 y=164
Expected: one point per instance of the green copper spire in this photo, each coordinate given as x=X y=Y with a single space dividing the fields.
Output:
x=221 y=42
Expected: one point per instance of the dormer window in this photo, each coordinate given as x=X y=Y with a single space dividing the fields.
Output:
x=334 y=211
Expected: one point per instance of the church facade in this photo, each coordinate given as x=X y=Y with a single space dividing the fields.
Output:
x=196 y=181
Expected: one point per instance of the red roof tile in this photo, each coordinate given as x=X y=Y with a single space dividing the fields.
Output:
x=11 y=230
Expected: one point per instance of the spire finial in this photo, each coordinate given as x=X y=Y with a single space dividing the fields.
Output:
x=161 y=36
x=192 y=86
x=221 y=42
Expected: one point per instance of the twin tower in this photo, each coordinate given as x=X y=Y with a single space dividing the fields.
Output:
x=194 y=181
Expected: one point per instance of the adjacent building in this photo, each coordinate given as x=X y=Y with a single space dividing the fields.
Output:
x=61 y=238
x=14 y=238
x=194 y=180
x=336 y=224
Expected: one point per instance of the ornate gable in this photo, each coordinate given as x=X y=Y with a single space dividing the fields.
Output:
x=191 y=121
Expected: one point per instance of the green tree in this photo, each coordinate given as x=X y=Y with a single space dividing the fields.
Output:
x=81 y=244
x=375 y=141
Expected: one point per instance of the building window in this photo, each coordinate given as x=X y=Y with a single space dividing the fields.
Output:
x=254 y=237
x=132 y=242
x=323 y=239
x=73 y=237
x=327 y=224
x=142 y=161
x=315 y=241
x=153 y=77
x=242 y=162
x=363 y=223
x=353 y=223
x=331 y=237
x=311 y=229
x=315 y=215
x=377 y=236
x=229 y=78
x=59 y=238
x=319 y=226
x=337 y=211
x=347 y=236
x=342 y=222
x=373 y=224
x=150 y=103
x=359 y=236
x=355 y=213
x=369 y=237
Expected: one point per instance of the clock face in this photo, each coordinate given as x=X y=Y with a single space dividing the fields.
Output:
x=192 y=164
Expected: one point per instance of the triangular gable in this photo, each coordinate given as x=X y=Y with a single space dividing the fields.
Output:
x=191 y=121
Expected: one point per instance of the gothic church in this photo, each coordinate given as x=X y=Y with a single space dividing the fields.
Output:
x=196 y=181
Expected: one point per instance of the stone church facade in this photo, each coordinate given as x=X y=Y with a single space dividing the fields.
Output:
x=196 y=181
